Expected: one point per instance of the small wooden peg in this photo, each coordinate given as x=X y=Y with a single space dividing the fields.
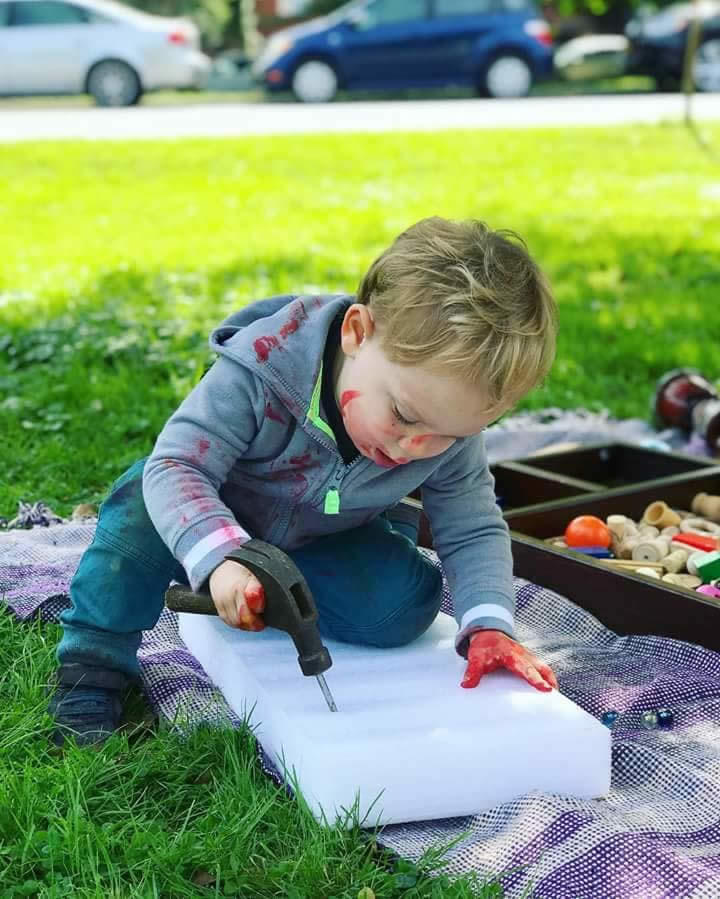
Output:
x=651 y=550
x=618 y=525
x=660 y=515
x=676 y=560
x=706 y=505
x=683 y=580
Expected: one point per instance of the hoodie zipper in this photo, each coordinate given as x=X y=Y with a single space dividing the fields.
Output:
x=331 y=505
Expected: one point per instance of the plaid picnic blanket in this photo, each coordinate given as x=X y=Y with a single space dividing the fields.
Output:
x=657 y=836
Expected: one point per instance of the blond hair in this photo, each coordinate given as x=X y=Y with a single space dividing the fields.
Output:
x=464 y=300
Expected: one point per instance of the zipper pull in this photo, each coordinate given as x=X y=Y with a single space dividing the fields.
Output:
x=332 y=502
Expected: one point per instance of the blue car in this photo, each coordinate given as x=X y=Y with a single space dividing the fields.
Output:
x=498 y=47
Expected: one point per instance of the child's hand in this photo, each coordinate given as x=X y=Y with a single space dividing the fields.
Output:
x=490 y=650
x=238 y=596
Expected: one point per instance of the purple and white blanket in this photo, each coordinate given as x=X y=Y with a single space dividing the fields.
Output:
x=656 y=836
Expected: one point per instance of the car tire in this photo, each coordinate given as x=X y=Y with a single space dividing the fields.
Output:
x=314 y=81
x=506 y=76
x=706 y=66
x=114 y=83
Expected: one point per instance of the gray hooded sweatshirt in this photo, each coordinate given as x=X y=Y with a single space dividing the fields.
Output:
x=249 y=453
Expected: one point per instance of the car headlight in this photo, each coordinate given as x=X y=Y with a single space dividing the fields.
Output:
x=276 y=47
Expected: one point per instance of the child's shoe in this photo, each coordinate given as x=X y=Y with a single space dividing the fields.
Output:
x=87 y=703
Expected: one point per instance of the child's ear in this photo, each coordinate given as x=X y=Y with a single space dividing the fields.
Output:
x=357 y=325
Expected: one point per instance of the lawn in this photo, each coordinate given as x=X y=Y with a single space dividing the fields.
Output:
x=118 y=258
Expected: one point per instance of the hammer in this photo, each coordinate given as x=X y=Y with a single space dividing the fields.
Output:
x=289 y=605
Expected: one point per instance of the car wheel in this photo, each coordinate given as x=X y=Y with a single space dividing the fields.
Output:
x=706 y=66
x=114 y=83
x=314 y=81
x=506 y=76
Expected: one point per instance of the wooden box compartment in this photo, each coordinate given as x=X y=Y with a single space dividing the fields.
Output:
x=626 y=602
x=518 y=485
x=609 y=465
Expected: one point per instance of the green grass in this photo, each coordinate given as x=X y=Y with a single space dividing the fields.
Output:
x=166 y=816
x=117 y=259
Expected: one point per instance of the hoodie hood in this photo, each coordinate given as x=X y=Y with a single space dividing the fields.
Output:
x=276 y=339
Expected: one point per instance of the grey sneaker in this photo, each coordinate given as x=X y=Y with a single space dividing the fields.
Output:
x=87 y=704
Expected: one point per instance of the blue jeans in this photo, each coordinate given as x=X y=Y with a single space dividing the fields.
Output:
x=370 y=584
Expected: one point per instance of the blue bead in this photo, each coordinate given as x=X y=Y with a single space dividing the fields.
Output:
x=666 y=719
x=610 y=717
x=597 y=552
x=649 y=719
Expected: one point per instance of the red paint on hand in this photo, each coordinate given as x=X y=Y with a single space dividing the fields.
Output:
x=255 y=597
x=347 y=396
x=490 y=650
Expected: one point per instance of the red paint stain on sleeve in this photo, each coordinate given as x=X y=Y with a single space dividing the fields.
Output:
x=348 y=396
x=300 y=460
x=202 y=447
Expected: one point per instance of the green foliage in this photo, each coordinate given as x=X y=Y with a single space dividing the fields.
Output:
x=211 y=16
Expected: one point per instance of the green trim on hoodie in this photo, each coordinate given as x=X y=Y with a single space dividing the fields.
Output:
x=314 y=410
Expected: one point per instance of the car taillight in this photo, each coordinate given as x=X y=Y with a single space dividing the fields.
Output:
x=178 y=37
x=540 y=31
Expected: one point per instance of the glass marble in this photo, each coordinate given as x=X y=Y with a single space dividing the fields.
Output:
x=610 y=717
x=666 y=719
x=649 y=719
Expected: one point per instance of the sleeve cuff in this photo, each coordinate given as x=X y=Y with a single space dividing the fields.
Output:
x=485 y=616
x=205 y=556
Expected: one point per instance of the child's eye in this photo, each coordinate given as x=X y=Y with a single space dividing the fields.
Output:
x=402 y=418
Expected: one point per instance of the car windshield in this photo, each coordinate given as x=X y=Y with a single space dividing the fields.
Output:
x=337 y=15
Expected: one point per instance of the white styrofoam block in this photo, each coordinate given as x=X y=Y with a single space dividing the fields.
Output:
x=407 y=743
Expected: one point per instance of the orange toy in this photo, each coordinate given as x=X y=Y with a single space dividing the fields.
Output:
x=587 y=530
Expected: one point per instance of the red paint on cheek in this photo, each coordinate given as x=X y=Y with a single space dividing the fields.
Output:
x=263 y=347
x=347 y=396
x=418 y=441
x=272 y=414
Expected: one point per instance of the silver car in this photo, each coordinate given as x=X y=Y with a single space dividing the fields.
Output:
x=99 y=47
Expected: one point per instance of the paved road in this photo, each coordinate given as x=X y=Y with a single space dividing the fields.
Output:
x=292 y=118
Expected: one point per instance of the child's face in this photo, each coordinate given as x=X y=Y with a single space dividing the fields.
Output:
x=397 y=413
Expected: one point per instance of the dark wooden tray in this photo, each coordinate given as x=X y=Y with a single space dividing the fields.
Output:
x=625 y=602
x=609 y=465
